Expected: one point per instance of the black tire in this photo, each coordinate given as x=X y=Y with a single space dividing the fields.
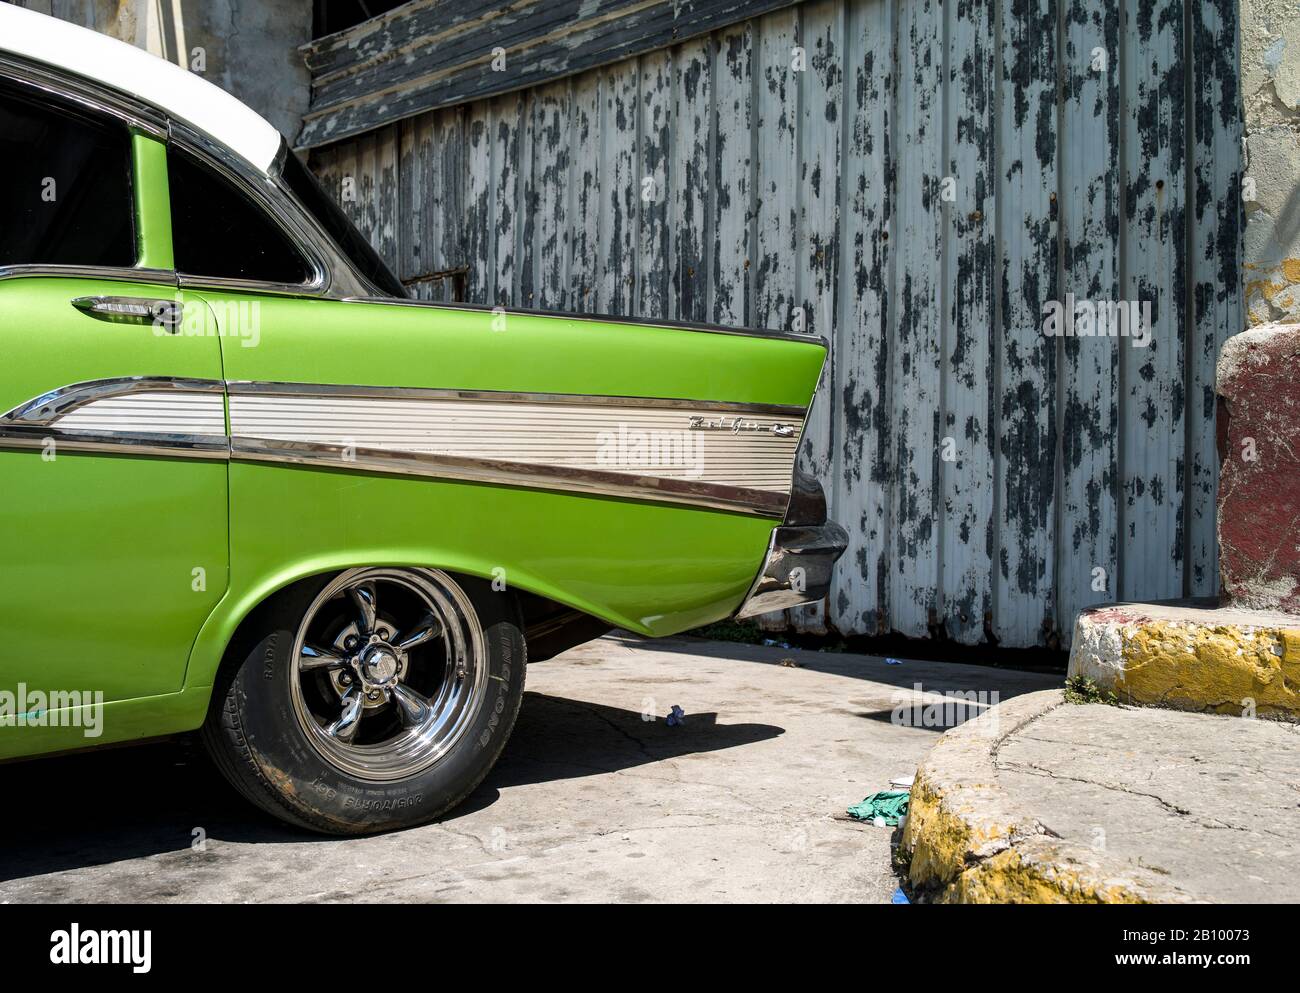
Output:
x=256 y=741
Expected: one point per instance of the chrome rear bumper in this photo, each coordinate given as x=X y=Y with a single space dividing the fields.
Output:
x=797 y=569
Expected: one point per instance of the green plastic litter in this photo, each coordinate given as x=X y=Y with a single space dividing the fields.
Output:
x=889 y=804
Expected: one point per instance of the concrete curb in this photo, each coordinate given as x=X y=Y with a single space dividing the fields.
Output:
x=970 y=842
x=1192 y=656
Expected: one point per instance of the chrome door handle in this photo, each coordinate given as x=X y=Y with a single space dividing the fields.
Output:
x=165 y=314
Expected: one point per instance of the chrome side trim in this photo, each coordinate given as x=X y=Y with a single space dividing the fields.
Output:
x=44 y=410
x=23 y=436
x=293 y=423
x=620 y=436
x=508 y=473
x=239 y=387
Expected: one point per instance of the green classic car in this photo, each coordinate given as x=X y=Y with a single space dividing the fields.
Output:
x=250 y=488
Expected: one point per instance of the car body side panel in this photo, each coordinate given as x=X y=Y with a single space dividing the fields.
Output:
x=376 y=344
x=111 y=562
x=649 y=566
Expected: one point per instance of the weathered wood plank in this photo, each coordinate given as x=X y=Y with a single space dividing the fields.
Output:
x=506 y=117
x=479 y=240
x=365 y=208
x=966 y=443
x=861 y=478
x=449 y=190
x=1028 y=143
x=387 y=235
x=1089 y=205
x=551 y=190
x=434 y=54
x=690 y=171
x=1153 y=239
x=653 y=179
x=730 y=300
x=917 y=320
x=1216 y=219
x=415 y=148
x=585 y=183
x=529 y=202
x=620 y=190
x=431 y=201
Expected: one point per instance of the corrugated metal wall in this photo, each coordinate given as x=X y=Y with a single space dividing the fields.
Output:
x=915 y=190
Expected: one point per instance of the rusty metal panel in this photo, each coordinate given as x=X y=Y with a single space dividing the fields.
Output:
x=916 y=320
x=1154 y=269
x=918 y=182
x=690 y=167
x=1214 y=254
x=1027 y=147
x=860 y=388
x=816 y=246
x=1088 y=202
x=620 y=189
x=585 y=190
x=654 y=149
x=733 y=178
x=966 y=451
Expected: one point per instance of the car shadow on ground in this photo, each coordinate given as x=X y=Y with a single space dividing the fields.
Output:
x=106 y=806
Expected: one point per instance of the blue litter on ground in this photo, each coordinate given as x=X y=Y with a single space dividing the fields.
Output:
x=899 y=896
x=893 y=661
x=676 y=716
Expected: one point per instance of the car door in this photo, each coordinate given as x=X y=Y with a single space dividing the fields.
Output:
x=113 y=482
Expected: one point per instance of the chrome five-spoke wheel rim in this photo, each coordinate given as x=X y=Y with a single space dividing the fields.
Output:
x=389 y=670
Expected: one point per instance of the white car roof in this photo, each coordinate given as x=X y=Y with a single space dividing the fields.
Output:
x=180 y=94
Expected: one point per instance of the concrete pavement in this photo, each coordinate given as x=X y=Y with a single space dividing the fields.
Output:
x=1049 y=802
x=744 y=802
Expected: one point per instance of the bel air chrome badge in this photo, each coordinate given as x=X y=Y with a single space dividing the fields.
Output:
x=735 y=425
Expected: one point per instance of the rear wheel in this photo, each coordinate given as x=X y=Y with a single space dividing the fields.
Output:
x=374 y=700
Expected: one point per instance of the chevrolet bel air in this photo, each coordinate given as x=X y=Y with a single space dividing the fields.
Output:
x=253 y=490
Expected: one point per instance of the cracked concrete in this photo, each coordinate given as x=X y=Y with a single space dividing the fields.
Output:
x=1209 y=803
x=744 y=802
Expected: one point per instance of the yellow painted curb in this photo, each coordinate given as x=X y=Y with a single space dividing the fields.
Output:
x=1205 y=659
x=968 y=841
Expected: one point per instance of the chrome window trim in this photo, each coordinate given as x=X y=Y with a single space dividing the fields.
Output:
x=519 y=474
x=163 y=277
x=267 y=196
x=249 y=388
x=86 y=92
x=328 y=268
x=47 y=408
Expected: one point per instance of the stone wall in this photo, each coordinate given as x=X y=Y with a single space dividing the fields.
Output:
x=1270 y=74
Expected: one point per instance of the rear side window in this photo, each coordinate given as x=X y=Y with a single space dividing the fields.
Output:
x=217 y=231
x=65 y=185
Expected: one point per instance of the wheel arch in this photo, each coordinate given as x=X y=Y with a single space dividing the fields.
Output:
x=236 y=613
